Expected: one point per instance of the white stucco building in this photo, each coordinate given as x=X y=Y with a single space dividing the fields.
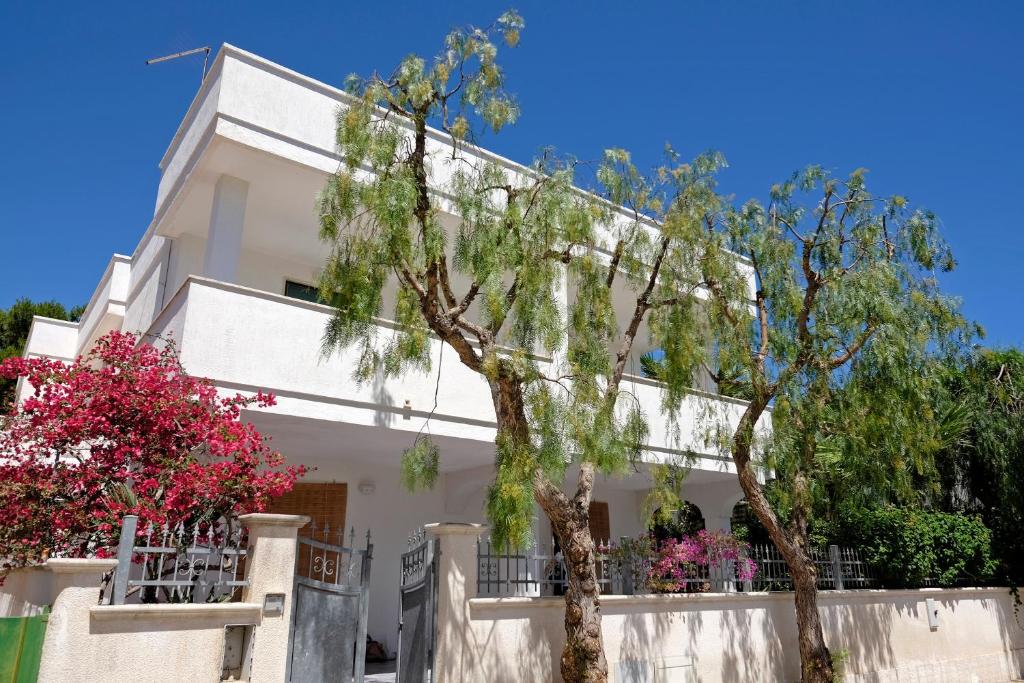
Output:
x=222 y=270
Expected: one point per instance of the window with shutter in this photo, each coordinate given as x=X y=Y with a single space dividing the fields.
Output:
x=325 y=504
x=600 y=526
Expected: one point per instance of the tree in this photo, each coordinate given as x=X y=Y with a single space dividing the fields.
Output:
x=983 y=471
x=845 y=317
x=503 y=265
x=14 y=327
x=123 y=415
x=493 y=285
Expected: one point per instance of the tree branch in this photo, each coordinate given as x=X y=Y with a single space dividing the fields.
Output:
x=852 y=349
x=584 y=486
x=643 y=304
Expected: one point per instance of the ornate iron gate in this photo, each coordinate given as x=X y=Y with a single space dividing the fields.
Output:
x=328 y=633
x=417 y=619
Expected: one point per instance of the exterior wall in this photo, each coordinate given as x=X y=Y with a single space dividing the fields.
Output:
x=87 y=642
x=169 y=643
x=49 y=338
x=723 y=637
x=25 y=592
x=250 y=340
x=147 y=283
x=52 y=338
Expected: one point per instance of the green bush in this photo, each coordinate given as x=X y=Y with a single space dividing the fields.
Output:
x=913 y=548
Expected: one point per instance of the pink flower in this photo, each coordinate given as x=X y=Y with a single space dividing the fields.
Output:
x=123 y=413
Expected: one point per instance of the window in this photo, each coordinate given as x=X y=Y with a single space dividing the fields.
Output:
x=297 y=290
x=600 y=528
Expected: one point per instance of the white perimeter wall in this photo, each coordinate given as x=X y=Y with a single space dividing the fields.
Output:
x=733 y=638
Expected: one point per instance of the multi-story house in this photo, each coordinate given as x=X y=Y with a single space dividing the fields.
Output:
x=225 y=269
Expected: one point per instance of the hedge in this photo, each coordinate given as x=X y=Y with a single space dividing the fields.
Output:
x=914 y=548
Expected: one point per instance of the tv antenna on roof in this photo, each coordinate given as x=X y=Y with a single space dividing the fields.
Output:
x=186 y=53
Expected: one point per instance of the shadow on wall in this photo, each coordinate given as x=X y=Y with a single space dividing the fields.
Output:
x=656 y=633
x=753 y=637
x=861 y=628
x=535 y=634
x=741 y=660
x=383 y=397
x=736 y=641
x=888 y=631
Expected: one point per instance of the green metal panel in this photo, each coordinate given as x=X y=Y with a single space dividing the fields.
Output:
x=32 y=648
x=21 y=646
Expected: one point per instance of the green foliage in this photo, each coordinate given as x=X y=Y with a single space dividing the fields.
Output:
x=839 y=660
x=684 y=521
x=650 y=366
x=844 y=340
x=420 y=464
x=484 y=269
x=510 y=496
x=982 y=463
x=840 y=338
x=914 y=548
x=14 y=327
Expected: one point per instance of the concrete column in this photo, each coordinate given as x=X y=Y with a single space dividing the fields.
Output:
x=718 y=522
x=75 y=586
x=227 y=220
x=271 y=569
x=454 y=658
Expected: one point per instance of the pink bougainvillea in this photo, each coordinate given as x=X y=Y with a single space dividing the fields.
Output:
x=125 y=415
x=679 y=564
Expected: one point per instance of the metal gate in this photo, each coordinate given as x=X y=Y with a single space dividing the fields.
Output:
x=332 y=591
x=21 y=647
x=417 y=619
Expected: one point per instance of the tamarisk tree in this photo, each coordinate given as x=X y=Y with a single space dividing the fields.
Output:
x=838 y=338
x=506 y=266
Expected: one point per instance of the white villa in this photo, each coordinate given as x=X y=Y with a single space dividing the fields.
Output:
x=225 y=269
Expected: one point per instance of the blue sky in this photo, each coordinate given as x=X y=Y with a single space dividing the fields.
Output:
x=928 y=96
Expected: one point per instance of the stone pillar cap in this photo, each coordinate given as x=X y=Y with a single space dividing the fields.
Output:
x=267 y=519
x=454 y=529
x=77 y=565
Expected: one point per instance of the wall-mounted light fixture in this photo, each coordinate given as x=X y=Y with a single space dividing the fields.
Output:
x=367 y=487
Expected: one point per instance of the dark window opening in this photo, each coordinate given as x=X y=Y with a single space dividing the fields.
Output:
x=297 y=290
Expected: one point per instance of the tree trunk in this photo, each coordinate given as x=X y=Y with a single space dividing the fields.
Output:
x=583 y=659
x=815 y=658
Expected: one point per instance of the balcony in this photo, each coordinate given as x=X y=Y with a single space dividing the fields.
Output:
x=245 y=340
x=106 y=308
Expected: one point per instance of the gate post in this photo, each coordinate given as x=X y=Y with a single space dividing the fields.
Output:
x=837 y=567
x=457 y=570
x=270 y=568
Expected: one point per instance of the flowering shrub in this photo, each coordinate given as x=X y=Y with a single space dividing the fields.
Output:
x=681 y=564
x=123 y=415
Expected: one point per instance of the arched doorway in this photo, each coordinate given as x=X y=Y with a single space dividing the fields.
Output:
x=686 y=521
x=746 y=526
